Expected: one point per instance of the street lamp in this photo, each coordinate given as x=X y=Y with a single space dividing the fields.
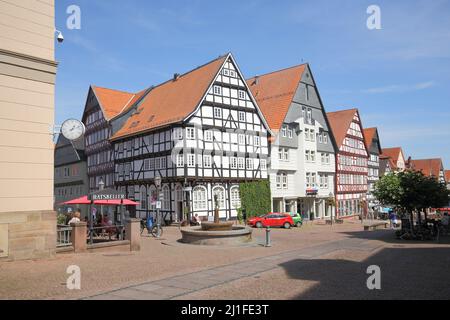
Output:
x=158 y=205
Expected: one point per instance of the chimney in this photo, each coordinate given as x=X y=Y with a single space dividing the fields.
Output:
x=256 y=80
x=176 y=76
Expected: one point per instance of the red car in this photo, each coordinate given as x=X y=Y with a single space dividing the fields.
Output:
x=272 y=220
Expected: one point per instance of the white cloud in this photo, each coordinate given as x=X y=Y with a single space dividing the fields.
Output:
x=400 y=88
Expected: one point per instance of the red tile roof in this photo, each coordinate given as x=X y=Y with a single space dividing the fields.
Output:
x=112 y=101
x=447 y=175
x=274 y=93
x=340 y=122
x=393 y=154
x=172 y=101
x=429 y=167
x=369 y=134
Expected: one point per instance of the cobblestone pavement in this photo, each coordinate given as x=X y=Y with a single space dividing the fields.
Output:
x=166 y=269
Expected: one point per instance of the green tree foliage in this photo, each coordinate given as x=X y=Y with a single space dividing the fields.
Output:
x=410 y=191
x=255 y=197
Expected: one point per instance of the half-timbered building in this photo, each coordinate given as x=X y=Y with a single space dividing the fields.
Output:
x=102 y=107
x=351 y=163
x=302 y=166
x=429 y=167
x=397 y=161
x=203 y=133
x=372 y=141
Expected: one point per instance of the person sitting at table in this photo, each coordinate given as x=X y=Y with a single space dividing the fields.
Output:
x=76 y=218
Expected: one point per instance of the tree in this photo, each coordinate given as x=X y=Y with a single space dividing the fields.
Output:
x=410 y=191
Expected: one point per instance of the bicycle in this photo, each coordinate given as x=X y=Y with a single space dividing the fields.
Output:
x=153 y=229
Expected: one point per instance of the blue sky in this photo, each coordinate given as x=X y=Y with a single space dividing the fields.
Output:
x=399 y=76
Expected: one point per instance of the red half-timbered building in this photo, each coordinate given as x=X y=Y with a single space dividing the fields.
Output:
x=351 y=163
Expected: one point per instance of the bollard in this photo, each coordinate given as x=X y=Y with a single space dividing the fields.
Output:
x=268 y=242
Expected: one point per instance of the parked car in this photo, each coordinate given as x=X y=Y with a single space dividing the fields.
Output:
x=297 y=218
x=281 y=220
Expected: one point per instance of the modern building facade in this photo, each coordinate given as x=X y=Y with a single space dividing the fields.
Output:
x=71 y=179
x=302 y=163
x=351 y=163
x=27 y=90
x=202 y=132
x=397 y=160
x=372 y=141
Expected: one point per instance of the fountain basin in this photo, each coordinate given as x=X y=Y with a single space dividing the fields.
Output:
x=236 y=236
x=219 y=226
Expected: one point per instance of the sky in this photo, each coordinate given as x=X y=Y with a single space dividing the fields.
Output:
x=397 y=76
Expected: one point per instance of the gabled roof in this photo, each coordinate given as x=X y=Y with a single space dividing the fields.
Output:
x=112 y=102
x=275 y=91
x=340 y=122
x=173 y=100
x=393 y=154
x=67 y=152
x=369 y=135
x=429 y=167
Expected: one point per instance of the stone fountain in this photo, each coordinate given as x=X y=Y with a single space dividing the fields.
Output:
x=217 y=232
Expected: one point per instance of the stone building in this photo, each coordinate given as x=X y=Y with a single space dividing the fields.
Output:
x=27 y=91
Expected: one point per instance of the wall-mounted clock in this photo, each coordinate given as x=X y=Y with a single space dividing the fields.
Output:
x=73 y=129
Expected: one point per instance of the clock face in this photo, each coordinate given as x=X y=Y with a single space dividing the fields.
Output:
x=72 y=129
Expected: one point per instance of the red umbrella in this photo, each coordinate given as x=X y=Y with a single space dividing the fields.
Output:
x=84 y=200
x=81 y=200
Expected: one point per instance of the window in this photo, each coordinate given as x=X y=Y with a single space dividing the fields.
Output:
x=199 y=198
x=241 y=94
x=177 y=134
x=263 y=164
x=180 y=160
x=307 y=134
x=217 y=90
x=307 y=156
x=256 y=141
x=241 y=116
x=290 y=133
x=241 y=139
x=235 y=198
x=232 y=73
x=308 y=179
x=207 y=161
x=306 y=93
x=220 y=193
x=191 y=160
x=166 y=200
x=312 y=135
x=320 y=138
x=143 y=199
x=163 y=163
x=218 y=112
x=309 y=115
x=283 y=154
x=225 y=72
x=282 y=181
x=248 y=140
x=241 y=163
x=325 y=137
x=208 y=136
x=303 y=112
x=190 y=133
x=284 y=132
x=233 y=163
x=249 y=164
x=313 y=156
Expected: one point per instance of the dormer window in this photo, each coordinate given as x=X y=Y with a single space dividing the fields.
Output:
x=284 y=132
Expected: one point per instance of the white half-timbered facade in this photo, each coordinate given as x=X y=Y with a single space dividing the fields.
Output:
x=217 y=142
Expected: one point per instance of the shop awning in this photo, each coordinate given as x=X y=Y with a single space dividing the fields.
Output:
x=84 y=200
